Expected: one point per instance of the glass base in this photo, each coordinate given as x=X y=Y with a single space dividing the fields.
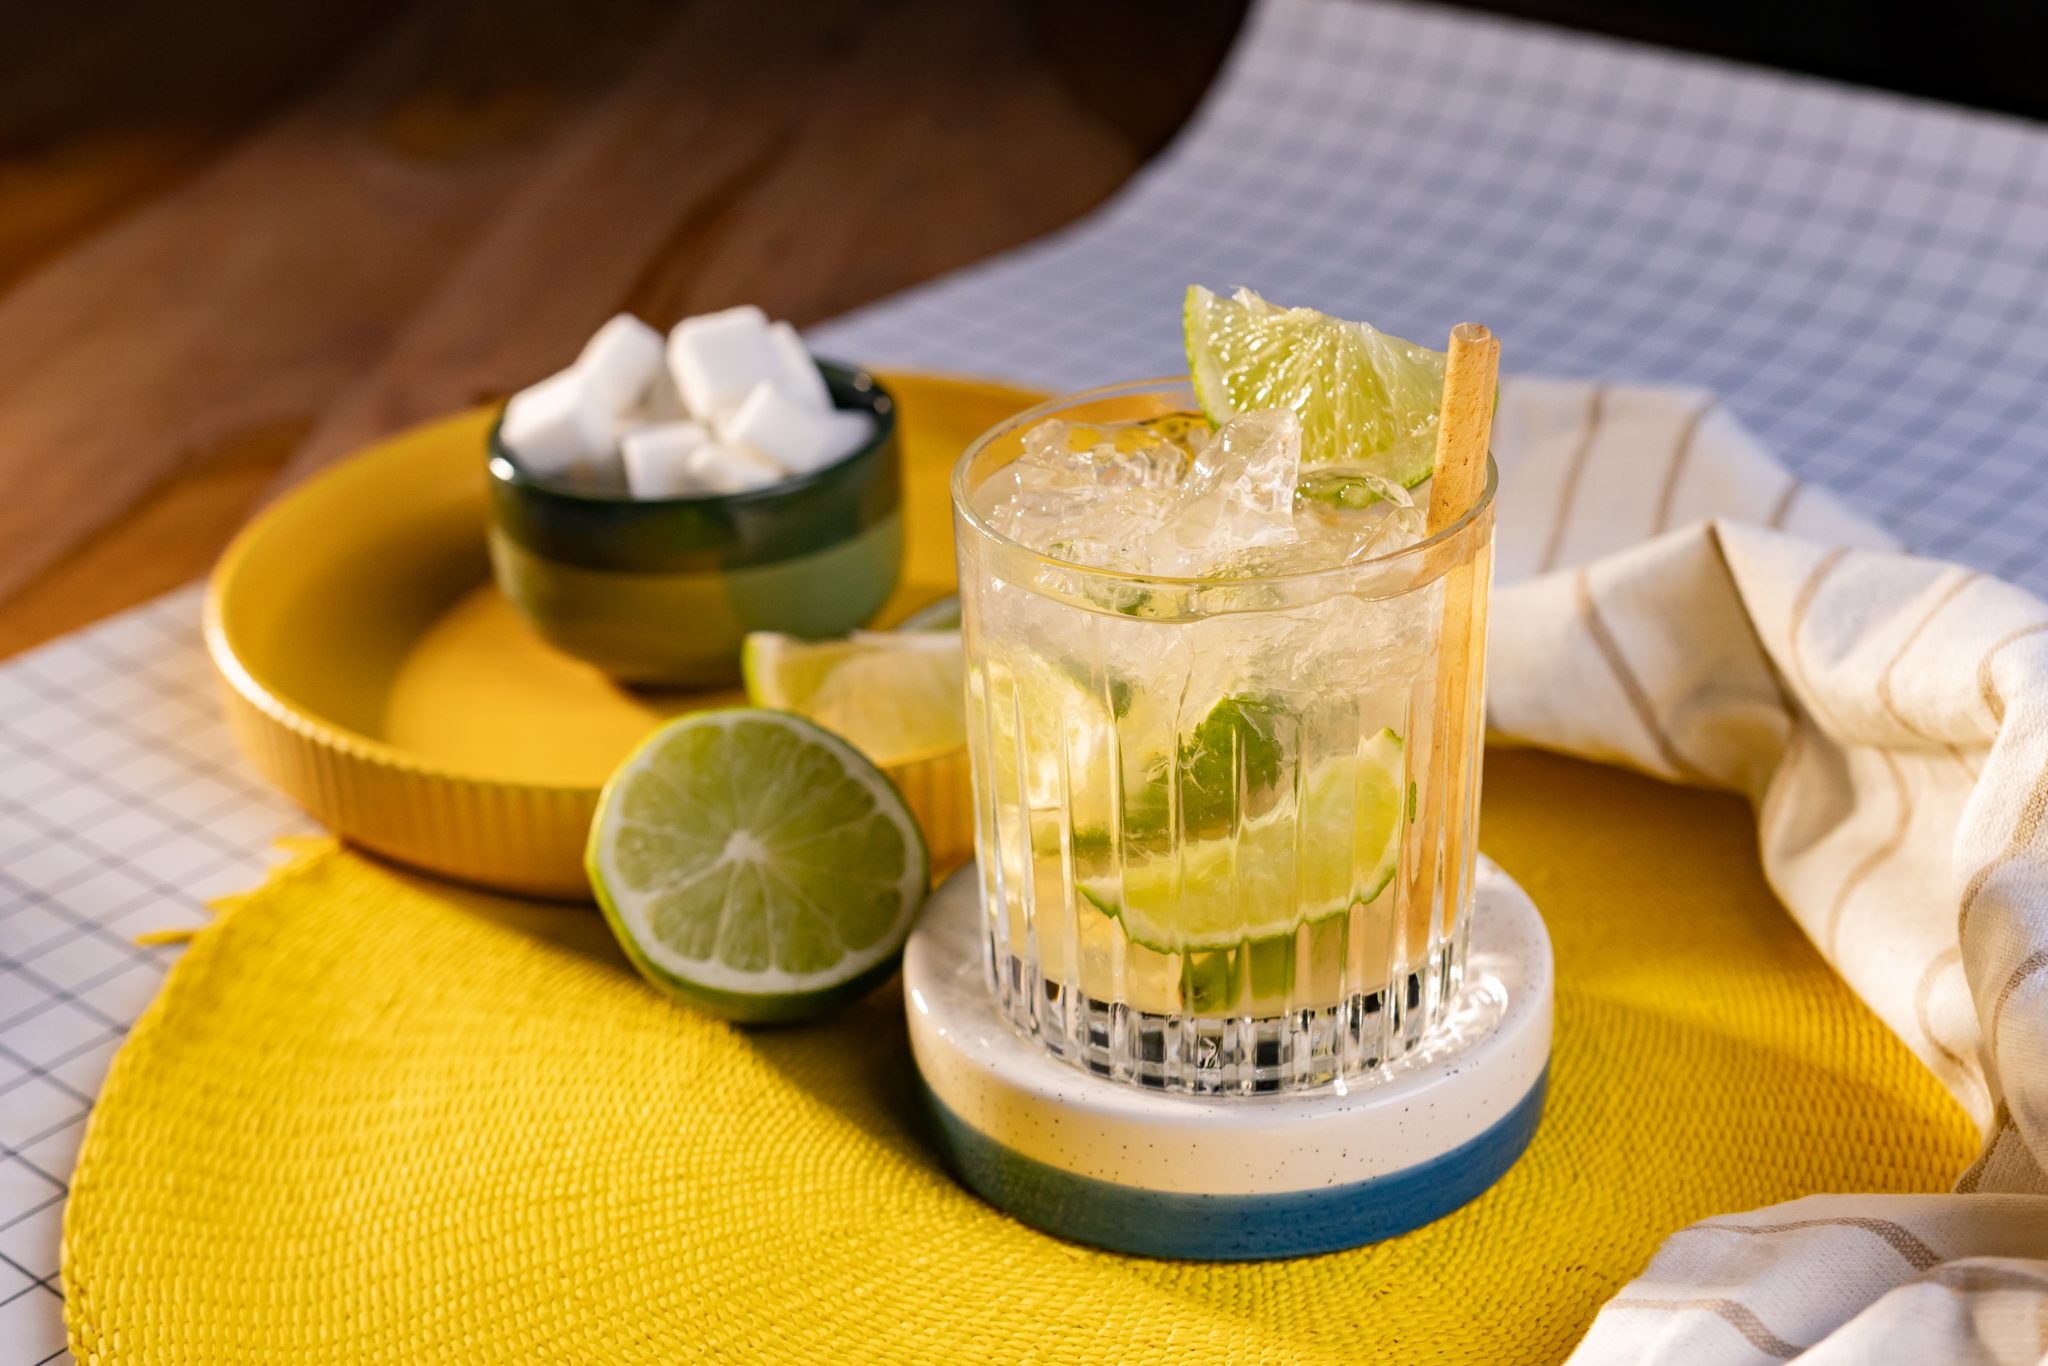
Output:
x=1354 y=1039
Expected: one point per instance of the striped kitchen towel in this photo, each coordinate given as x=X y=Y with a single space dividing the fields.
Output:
x=1671 y=599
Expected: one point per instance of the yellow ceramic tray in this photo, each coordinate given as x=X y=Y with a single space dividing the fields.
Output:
x=374 y=673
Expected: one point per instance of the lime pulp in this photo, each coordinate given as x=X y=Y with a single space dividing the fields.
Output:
x=755 y=865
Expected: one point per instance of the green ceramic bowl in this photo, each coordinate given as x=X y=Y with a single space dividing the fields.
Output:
x=662 y=591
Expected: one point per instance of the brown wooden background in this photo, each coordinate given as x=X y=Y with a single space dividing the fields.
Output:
x=238 y=240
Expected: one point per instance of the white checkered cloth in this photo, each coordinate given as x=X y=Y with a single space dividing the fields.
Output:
x=1673 y=601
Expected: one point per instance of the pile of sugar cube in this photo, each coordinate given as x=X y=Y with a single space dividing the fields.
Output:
x=725 y=403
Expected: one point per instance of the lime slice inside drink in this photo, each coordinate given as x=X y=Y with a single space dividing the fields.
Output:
x=1367 y=401
x=896 y=695
x=756 y=866
x=1335 y=845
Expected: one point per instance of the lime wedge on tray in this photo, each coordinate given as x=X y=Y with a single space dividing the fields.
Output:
x=1367 y=401
x=1213 y=900
x=756 y=866
x=943 y=615
x=895 y=694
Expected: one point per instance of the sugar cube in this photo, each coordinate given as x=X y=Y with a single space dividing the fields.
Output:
x=620 y=361
x=555 y=426
x=720 y=468
x=657 y=459
x=717 y=357
x=796 y=371
x=791 y=433
x=661 y=403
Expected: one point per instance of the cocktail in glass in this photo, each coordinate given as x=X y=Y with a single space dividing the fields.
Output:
x=1224 y=715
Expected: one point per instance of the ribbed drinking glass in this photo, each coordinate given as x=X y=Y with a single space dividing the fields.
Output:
x=1226 y=827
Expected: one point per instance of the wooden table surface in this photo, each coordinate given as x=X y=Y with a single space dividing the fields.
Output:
x=238 y=241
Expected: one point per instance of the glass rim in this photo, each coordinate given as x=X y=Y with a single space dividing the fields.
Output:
x=963 y=503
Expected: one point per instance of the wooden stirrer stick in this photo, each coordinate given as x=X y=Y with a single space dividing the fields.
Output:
x=1464 y=426
x=1471 y=371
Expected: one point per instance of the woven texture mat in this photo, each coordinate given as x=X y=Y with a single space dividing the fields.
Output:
x=372 y=1119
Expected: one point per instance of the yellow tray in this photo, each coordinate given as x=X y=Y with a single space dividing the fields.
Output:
x=375 y=674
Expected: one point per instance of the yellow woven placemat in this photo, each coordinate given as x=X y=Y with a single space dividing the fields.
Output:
x=372 y=1119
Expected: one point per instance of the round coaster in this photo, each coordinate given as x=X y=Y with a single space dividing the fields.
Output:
x=1233 y=1178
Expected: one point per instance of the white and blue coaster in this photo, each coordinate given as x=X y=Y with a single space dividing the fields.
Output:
x=1233 y=1178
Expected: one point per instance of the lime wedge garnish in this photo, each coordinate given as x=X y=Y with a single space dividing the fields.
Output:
x=896 y=695
x=1286 y=868
x=1367 y=401
x=943 y=615
x=755 y=865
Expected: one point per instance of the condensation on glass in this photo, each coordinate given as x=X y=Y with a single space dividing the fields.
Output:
x=1191 y=873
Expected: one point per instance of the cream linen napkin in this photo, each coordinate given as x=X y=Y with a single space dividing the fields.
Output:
x=1670 y=598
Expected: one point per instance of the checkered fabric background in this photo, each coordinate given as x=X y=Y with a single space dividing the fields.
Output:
x=1863 y=278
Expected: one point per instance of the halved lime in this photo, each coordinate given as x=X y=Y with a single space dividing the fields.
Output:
x=755 y=865
x=943 y=615
x=1286 y=868
x=1367 y=401
x=895 y=694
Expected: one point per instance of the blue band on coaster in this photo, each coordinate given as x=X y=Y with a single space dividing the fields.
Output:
x=1200 y=1227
